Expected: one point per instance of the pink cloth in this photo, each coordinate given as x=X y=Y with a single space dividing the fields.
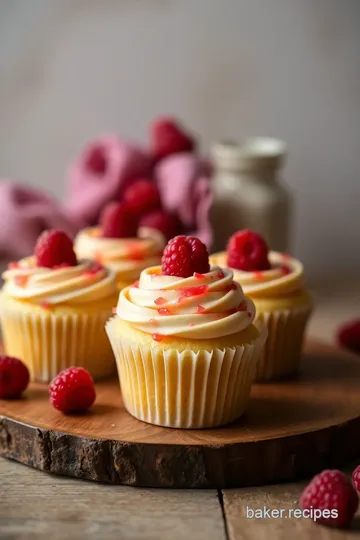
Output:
x=24 y=214
x=183 y=181
x=99 y=175
x=107 y=166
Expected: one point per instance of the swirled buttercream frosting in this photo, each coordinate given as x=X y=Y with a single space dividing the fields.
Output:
x=71 y=285
x=202 y=306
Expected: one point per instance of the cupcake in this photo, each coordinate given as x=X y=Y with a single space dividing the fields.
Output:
x=120 y=244
x=184 y=342
x=275 y=282
x=54 y=308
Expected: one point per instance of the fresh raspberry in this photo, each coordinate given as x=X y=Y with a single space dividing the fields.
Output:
x=142 y=196
x=72 y=390
x=167 y=224
x=247 y=250
x=356 y=478
x=348 y=335
x=168 y=137
x=54 y=248
x=14 y=377
x=117 y=220
x=183 y=256
x=331 y=490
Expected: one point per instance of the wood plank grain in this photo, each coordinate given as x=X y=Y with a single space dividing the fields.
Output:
x=291 y=428
x=286 y=496
x=35 y=505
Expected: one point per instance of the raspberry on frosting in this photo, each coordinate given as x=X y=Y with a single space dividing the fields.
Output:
x=55 y=249
x=185 y=255
x=247 y=251
x=117 y=220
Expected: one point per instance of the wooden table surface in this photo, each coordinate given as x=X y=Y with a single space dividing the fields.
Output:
x=34 y=505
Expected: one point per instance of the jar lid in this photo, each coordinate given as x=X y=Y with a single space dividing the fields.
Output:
x=254 y=153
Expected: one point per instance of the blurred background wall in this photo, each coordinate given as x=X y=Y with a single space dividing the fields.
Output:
x=73 y=69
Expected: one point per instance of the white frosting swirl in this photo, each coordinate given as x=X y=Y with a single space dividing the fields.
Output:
x=202 y=306
x=125 y=256
x=284 y=278
x=70 y=285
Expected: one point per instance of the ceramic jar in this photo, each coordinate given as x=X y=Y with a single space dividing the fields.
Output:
x=248 y=192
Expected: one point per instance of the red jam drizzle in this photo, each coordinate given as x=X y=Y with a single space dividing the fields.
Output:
x=191 y=324
x=95 y=268
x=163 y=311
x=113 y=311
x=200 y=309
x=135 y=252
x=242 y=306
x=234 y=287
x=45 y=305
x=285 y=270
x=199 y=276
x=157 y=337
x=285 y=256
x=258 y=275
x=232 y=311
x=220 y=275
x=159 y=301
x=153 y=321
x=249 y=315
x=21 y=280
x=13 y=265
x=135 y=285
x=195 y=291
x=98 y=257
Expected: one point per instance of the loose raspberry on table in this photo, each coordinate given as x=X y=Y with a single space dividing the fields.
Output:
x=331 y=490
x=14 y=377
x=72 y=390
x=356 y=478
x=54 y=249
x=167 y=224
x=142 y=196
x=117 y=220
x=348 y=335
x=247 y=251
x=184 y=255
x=168 y=137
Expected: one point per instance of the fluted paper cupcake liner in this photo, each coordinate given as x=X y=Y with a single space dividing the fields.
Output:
x=281 y=354
x=184 y=389
x=49 y=342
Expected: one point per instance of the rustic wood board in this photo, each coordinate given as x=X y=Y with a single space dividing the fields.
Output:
x=292 y=429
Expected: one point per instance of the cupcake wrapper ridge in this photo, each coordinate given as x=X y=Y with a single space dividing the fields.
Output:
x=49 y=343
x=281 y=354
x=184 y=389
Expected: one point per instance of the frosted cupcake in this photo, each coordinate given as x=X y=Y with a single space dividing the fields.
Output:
x=275 y=282
x=120 y=245
x=184 y=342
x=54 y=308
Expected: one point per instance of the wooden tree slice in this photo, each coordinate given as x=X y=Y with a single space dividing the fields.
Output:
x=291 y=430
